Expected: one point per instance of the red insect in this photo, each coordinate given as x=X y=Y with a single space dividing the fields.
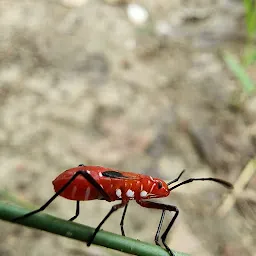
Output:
x=84 y=183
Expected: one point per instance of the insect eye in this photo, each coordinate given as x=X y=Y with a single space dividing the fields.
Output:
x=159 y=184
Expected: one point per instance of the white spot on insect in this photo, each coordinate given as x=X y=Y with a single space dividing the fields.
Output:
x=101 y=186
x=130 y=193
x=151 y=178
x=73 y=193
x=119 y=193
x=87 y=193
x=141 y=187
x=143 y=193
x=100 y=174
x=88 y=171
x=152 y=187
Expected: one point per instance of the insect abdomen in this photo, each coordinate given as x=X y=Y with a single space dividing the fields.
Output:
x=79 y=190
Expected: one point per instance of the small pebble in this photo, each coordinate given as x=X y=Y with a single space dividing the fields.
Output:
x=137 y=14
x=73 y=3
x=162 y=28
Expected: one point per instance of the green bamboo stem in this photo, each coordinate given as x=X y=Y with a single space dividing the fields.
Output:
x=80 y=232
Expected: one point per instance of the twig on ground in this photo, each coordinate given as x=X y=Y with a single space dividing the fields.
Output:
x=239 y=186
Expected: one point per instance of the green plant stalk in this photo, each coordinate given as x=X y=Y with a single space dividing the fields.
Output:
x=80 y=232
x=238 y=70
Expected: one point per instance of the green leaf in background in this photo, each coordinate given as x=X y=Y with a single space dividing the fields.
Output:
x=250 y=17
x=248 y=85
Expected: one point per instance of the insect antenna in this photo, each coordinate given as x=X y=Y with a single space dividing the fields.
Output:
x=175 y=180
x=222 y=182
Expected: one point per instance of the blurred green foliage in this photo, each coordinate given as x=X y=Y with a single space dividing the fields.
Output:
x=240 y=67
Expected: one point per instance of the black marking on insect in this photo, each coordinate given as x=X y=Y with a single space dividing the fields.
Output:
x=113 y=174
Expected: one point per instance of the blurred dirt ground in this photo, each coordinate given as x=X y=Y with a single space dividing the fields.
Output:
x=82 y=83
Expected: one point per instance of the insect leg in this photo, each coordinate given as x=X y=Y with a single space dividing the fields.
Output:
x=163 y=237
x=77 y=211
x=113 y=209
x=159 y=228
x=86 y=175
x=122 y=220
x=164 y=208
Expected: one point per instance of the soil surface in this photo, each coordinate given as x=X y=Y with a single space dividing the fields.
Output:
x=83 y=83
